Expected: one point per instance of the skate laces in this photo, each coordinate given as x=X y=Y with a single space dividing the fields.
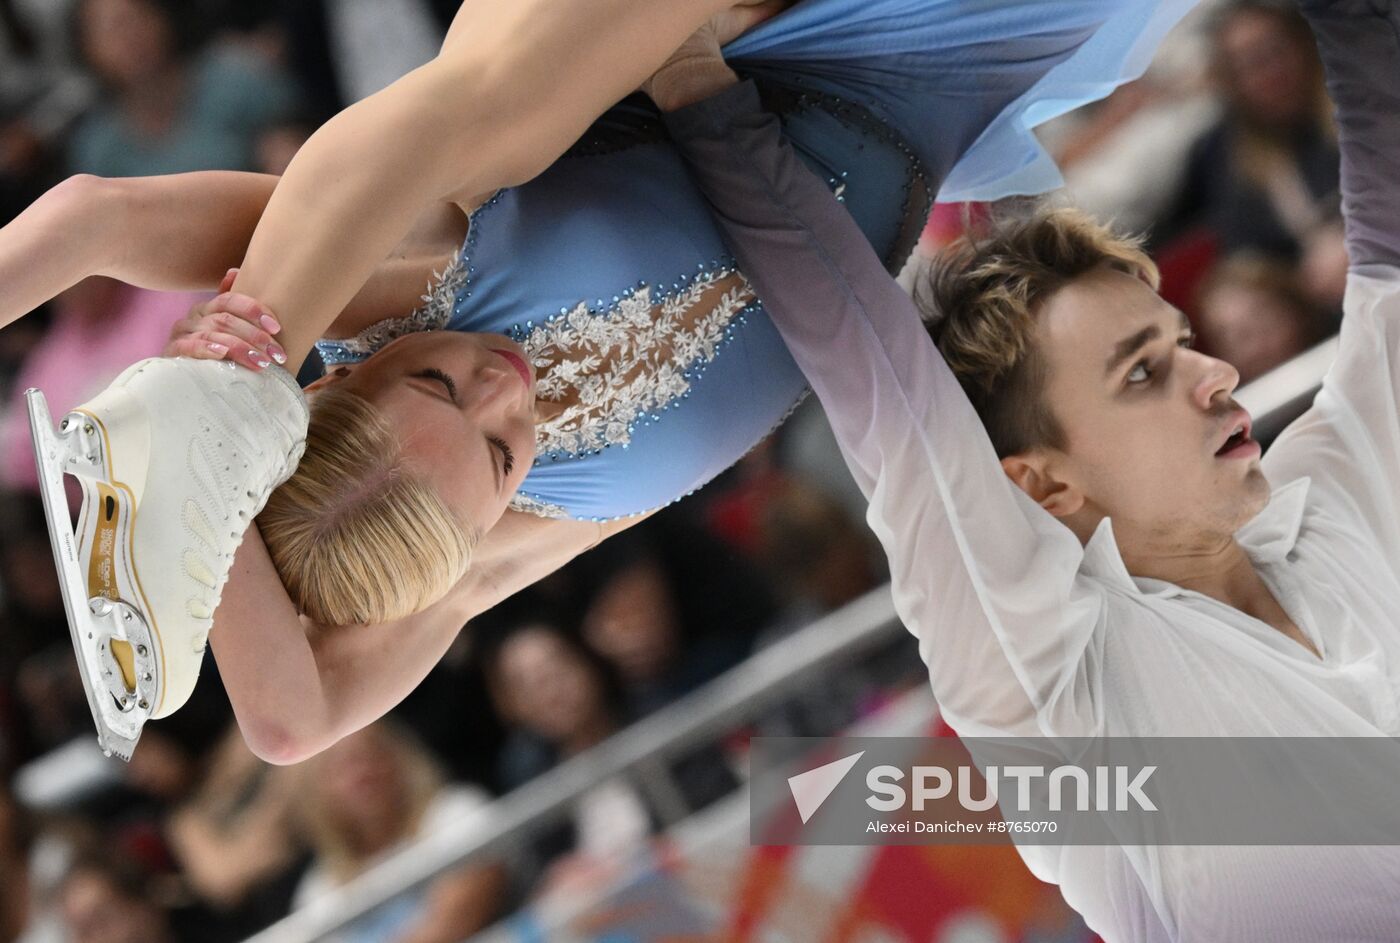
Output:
x=251 y=431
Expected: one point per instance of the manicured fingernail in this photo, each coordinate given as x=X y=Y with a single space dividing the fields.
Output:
x=270 y=324
x=219 y=349
x=259 y=359
x=278 y=354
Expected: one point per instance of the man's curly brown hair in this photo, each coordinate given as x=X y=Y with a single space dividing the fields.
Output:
x=981 y=300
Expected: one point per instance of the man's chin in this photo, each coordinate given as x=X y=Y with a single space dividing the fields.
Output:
x=1254 y=492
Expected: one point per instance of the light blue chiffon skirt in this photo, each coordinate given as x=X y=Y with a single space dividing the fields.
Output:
x=930 y=66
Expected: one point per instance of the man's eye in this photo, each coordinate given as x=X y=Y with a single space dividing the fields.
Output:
x=1187 y=340
x=1140 y=373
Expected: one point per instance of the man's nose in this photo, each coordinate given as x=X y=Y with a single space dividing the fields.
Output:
x=1218 y=378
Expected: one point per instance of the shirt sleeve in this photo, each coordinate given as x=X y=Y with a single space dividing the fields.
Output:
x=1349 y=442
x=987 y=579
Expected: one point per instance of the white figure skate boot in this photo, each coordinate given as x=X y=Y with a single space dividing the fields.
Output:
x=175 y=458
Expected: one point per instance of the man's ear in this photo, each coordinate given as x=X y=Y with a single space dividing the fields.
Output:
x=331 y=376
x=1034 y=473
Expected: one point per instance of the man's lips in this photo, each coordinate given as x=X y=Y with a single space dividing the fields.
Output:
x=520 y=366
x=1235 y=441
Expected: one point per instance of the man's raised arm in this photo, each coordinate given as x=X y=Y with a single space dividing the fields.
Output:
x=986 y=578
x=1349 y=442
x=1360 y=45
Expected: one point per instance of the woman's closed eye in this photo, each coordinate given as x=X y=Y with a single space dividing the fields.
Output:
x=432 y=373
x=507 y=454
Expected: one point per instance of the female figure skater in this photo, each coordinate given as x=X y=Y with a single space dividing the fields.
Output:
x=605 y=274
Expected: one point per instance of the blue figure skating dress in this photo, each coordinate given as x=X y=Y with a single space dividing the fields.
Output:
x=610 y=271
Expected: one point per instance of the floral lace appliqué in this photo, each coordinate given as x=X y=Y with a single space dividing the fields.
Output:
x=620 y=365
x=432 y=315
x=537 y=506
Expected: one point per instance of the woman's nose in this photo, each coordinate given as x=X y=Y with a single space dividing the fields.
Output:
x=496 y=386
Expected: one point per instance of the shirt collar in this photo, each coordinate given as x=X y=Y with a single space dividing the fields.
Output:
x=1267 y=538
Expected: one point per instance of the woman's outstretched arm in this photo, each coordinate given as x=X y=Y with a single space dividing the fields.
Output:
x=516 y=83
x=175 y=233
x=297 y=688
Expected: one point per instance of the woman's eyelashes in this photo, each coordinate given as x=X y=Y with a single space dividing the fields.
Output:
x=432 y=373
x=506 y=454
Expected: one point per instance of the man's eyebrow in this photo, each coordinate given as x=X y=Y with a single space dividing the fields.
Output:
x=1131 y=345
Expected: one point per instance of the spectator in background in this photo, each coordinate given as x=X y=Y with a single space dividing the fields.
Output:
x=1254 y=314
x=31 y=607
x=278 y=143
x=371 y=795
x=14 y=867
x=41 y=701
x=562 y=699
x=558 y=697
x=170 y=103
x=100 y=328
x=235 y=839
x=818 y=556
x=346 y=50
x=41 y=92
x=1124 y=158
x=1265 y=178
x=101 y=901
x=669 y=607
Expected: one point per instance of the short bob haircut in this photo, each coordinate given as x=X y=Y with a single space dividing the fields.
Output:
x=356 y=537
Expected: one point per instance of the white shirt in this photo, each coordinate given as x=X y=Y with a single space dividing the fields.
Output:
x=1028 y=633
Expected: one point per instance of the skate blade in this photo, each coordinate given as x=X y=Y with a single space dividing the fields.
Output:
x=120 y=680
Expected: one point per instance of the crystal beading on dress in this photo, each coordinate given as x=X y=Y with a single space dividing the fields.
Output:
x=432 y=315
x=633 y=358
x=610 y=366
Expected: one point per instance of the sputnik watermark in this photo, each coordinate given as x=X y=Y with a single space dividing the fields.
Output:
x=1115 y=789
x=1076 y=791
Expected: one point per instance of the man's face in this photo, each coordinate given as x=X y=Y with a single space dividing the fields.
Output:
x=1151 y=431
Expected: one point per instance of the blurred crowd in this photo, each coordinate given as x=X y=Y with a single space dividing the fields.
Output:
x=1223 y=156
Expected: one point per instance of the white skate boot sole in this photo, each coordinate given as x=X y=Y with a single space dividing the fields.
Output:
x=118 y=651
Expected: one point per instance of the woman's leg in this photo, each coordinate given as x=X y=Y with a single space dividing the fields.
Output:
x=175 y=233
x=516 y=84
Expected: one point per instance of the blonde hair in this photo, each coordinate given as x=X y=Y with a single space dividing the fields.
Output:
x=323 y=824
x=356 y=537
x=981 y=299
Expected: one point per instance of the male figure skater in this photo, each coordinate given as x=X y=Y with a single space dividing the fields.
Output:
x=1080 y=528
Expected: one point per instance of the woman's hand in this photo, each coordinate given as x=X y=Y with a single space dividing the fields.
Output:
x=697 y=69
x=229 y=327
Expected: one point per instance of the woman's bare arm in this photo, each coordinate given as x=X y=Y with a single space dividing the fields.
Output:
x=296 y=689
x=176 y=233
x=516 y=84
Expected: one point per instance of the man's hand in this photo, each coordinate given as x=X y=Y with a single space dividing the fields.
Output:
x=228 y=327
x=697 y=69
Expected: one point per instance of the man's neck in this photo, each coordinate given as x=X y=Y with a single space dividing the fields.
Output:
x=1223 y=572
x=1219 y=569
